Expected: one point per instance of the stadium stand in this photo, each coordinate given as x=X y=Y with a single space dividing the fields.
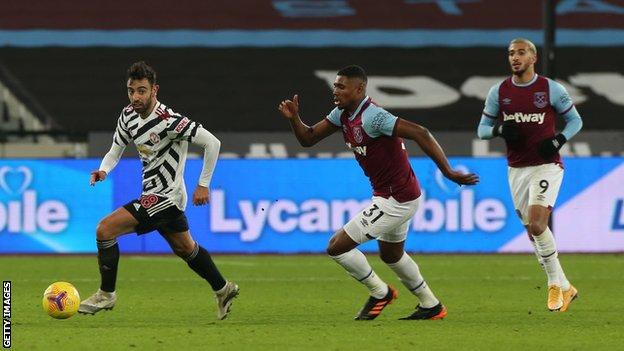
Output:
x=228 y=66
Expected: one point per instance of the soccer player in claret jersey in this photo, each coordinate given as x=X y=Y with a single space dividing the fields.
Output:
x=522 y=110
x=375 y=136
x=161 y=136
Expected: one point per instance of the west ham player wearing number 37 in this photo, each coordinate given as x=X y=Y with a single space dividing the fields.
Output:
x=161 y=136
x=375 y=135
x=522 y=110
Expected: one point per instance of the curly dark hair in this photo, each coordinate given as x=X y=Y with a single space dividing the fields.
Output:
x=140 y=70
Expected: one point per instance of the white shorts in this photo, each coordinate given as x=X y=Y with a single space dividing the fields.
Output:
x=534 y=185
x=385 y=220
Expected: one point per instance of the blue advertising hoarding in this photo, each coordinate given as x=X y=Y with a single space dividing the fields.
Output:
x=46 y=206
x=293 y=206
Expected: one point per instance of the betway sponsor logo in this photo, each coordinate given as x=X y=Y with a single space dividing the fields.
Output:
x=520 y=117
x=461 y=213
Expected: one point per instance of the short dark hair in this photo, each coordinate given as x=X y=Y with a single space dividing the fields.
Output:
x=140 y=70
x=353 y=71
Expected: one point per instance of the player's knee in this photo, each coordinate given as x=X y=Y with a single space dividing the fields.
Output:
x=333 y=248
x=536 y=228
x=183 y=249
x=182 y=252
x=390 y=257
x=340 y=243
x=105 y=230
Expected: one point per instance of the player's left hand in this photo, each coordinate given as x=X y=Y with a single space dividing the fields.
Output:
x=288 y=108
x=97 y=176
x=201 y=196
x=508 y=130
x=462 y=178
x=549 y=147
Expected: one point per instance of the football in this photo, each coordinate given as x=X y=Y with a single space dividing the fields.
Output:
x=61 y=300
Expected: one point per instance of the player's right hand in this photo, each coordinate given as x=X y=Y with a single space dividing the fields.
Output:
x=288 y=108
x=462 y=178
x=507 y=130
x=97 y=176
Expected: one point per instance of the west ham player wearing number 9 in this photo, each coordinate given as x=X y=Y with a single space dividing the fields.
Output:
x=161 y=136
x=375 y=137
x=522 y=110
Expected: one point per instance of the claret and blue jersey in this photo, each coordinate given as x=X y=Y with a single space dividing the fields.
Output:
x=533 y=107
x=370 y=132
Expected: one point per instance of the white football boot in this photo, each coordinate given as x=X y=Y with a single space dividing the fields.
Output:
x=101 y=300
x=224 y=299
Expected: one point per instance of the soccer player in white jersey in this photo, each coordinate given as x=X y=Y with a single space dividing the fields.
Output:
x=161 y=136
x=375 y=136
x=522 y=110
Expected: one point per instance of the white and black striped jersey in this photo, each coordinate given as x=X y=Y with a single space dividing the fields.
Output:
x=162 y=142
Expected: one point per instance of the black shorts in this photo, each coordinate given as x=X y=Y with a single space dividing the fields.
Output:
x=168 y=220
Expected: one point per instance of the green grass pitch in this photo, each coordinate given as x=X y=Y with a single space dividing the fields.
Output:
x=495 y=302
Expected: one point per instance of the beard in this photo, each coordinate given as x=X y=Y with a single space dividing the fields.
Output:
x=520 y=71
x=139 y=109
x=142 y=107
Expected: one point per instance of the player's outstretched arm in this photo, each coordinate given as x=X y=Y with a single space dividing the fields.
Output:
x=426 y=141
x=306 y=135
x=109 y=162
x=211 y=145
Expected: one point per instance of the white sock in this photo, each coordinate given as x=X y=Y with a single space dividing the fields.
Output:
x=562 y=281
x=565 y=284
x=409 y=274
x=539 y=258
x=358 y=267
x=545 y=244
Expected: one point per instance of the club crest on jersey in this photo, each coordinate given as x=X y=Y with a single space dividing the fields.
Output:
x=358 y=134
x=539 y=99
x=154 y=138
